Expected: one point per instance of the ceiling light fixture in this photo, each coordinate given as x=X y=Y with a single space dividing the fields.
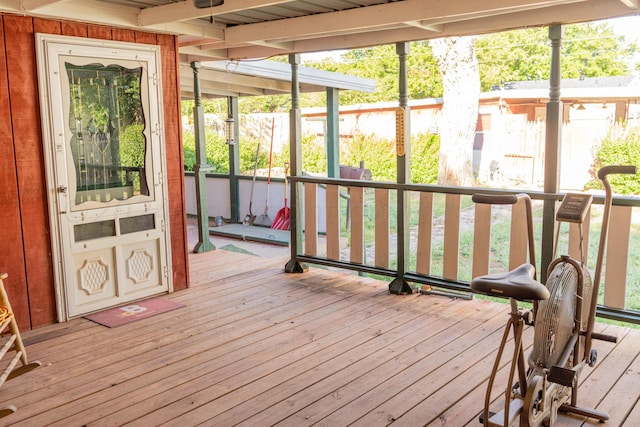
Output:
x=202 y=4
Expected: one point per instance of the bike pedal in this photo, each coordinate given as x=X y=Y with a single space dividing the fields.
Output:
x=562 y=376
x=481 y=417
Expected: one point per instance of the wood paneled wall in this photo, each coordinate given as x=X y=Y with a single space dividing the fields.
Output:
x=25 y=251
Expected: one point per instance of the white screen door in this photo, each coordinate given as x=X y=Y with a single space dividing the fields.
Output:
x=102 y=118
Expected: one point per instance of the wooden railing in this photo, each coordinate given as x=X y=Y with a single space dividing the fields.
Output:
x=448 y=239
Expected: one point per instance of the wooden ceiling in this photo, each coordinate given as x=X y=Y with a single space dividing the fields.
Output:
x=240 y=29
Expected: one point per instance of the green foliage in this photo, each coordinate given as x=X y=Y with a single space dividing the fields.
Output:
x=380 y=63
x=588 y=50
x=132 y=145
x=621 y=150
x=425 y=152
x=378 y=154
x=314 y=154
x=218 y=153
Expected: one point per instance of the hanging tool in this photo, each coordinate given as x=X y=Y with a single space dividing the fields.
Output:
x=250 y=217
x=264 y=220
x=282 y=220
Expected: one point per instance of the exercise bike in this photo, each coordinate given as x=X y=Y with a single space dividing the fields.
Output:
x=563 y=317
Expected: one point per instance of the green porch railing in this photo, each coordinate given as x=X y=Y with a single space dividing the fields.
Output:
x=451 y=240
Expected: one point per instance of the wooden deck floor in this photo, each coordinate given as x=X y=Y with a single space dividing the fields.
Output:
x=257 y=347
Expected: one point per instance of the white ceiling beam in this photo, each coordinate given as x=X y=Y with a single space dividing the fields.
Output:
x=36 y=4
x=184 y=10
x=631 y=4
x=372 y=17
x=592 y=11
x=436 y=28
x=198 y=28
x=274 y=45
x=194 y=53
x=569 y=13
x=99 y=12
x=106 y=13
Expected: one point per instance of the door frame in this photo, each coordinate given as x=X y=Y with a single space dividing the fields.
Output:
x=54 y=139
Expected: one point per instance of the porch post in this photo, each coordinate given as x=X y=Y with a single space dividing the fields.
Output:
x=295 y=164
x=201 y=167
x=234 y=160
x=553 y=140
x=333 y=134
x=403 y=171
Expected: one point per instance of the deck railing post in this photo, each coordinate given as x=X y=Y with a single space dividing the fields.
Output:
x=201 y=167
x=552 y=150
x=295 y=163
x=399 y=285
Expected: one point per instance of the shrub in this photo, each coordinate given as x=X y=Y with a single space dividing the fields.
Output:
x=619 y=150
x=425 y=153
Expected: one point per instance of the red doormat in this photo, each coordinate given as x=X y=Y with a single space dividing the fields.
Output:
x=135 y=311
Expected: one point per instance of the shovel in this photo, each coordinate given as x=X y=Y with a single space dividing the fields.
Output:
x=281 y=222
x=250 y=217
x=264 y=220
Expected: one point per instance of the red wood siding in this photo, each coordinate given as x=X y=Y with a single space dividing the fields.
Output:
x=33 y=301
x=26 y=250
x=12 y=247
x=175 y=160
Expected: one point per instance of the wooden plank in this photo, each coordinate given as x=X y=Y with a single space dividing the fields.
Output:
x=47 y=26
x=425 y=230
x=226 y=367
x=601 y=380
x=451 y=236
x=280 y=371
x=190 y=371
x=139 y=360
x=481 y=240
x=11 y=252
x=29 y=166
x=388 y=400
x=574 y=239
x=382 y=229
x=332 y=195
x=615 y=275
x=145 y=37
x=173 y=150
x=310 y=219
x=99 y=32
x=75 y=29
x=518 y=242
x=356 y=204
x=618 y=403
x=359 y=383
x=256 y=346
x=123 y=35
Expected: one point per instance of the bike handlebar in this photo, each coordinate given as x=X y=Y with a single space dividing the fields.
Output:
x=498 y=199
x=616 y=169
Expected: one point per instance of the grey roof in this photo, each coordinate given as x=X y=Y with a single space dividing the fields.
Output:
x=588 y=82
x=265 y=77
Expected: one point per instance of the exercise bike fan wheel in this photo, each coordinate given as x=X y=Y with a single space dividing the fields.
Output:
x=555 y=319
x=553 y=332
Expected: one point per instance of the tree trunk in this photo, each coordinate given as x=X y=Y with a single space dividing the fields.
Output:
x=458 y=66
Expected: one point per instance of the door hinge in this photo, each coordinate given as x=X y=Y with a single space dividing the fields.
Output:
x=162 y=226
x=166 y=271
x=160 y=178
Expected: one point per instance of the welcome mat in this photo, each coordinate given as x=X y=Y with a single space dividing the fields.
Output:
x=135 y=311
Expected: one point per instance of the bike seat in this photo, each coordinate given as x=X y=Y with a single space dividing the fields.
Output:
x=518 y=284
